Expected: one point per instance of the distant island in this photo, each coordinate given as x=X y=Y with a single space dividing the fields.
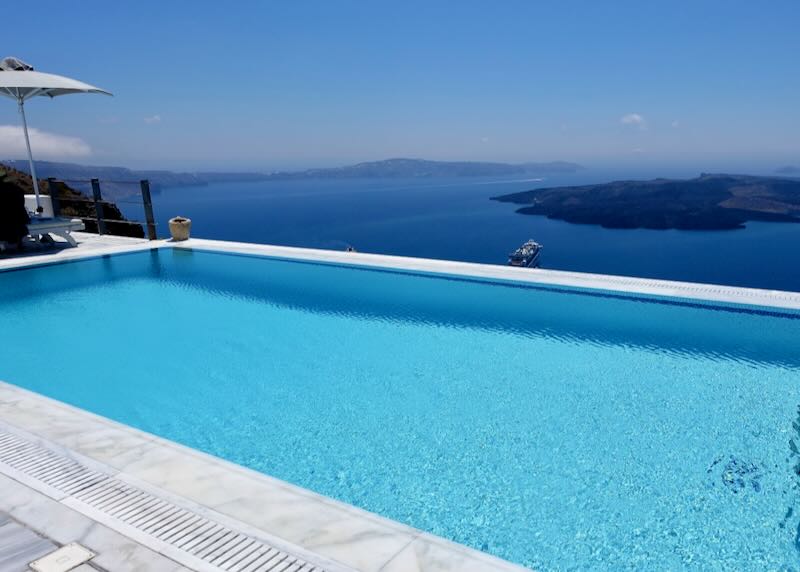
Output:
x=120 y=181
x=708 y=202
x=421 y=168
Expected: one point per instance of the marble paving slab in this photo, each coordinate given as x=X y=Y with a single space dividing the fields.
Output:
x=20 y=545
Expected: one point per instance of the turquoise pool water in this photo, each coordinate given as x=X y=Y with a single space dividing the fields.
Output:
x=559 y=430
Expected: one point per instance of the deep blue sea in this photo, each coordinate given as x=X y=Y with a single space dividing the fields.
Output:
x=454 y=219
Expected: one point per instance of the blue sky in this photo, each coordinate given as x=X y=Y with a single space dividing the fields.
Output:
x=272 y=85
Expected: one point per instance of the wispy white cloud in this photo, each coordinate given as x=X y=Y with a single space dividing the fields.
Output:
x=634 y=119
x=152 y=119
x=44 y=145
x=675 y=124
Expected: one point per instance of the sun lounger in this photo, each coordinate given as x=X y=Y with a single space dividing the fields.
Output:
x=42 y=226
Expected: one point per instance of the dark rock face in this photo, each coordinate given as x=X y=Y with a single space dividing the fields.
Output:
x=13 y=216
x=709 y=202
x=74 y=204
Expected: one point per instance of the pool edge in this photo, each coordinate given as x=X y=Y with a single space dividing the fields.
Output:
x=578 y=281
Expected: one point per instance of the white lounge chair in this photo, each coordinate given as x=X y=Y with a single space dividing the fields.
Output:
x=45 y=224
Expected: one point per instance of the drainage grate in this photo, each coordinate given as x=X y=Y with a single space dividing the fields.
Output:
x=194 y=539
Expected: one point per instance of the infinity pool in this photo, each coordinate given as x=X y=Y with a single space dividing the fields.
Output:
x=556 y=429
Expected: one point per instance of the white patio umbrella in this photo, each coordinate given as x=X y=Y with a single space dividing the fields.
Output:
x=20 y=82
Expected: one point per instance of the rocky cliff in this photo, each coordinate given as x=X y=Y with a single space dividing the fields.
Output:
x=75 y=204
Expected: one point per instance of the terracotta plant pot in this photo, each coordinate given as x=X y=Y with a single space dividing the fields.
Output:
x=179 y=228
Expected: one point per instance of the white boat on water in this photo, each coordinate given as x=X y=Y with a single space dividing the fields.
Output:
x=526 y=256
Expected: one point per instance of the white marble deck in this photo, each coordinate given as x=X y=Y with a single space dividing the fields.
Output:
x=19 y=545
x=62 y=525
x=247 y=501
x=175 y=529
x=88 y=245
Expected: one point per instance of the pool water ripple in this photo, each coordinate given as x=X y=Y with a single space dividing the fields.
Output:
x=556 y=430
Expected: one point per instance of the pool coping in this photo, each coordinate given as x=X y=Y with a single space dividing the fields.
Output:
x=580 y=281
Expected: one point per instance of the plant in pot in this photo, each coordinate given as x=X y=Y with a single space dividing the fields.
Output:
x=180 y=227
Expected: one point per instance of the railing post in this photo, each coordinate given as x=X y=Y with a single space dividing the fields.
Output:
x=98 y=207
x=148 y=209
x=54 y=200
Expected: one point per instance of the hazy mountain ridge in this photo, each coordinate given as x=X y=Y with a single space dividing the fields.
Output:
x=419 y=168
x=708 y=202
x=115 y=182
x=121 y=181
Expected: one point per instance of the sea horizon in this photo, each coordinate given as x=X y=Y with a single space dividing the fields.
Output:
x=455 y=218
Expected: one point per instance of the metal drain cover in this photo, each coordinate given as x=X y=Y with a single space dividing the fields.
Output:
x=65 y=558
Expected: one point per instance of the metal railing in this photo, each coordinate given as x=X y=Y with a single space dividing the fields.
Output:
x=91 y=193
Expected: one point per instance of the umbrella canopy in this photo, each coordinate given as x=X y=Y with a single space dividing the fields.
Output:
x=26 y=84
x=20 y=82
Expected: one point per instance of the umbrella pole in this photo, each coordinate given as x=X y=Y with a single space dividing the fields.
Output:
x=30 y=155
